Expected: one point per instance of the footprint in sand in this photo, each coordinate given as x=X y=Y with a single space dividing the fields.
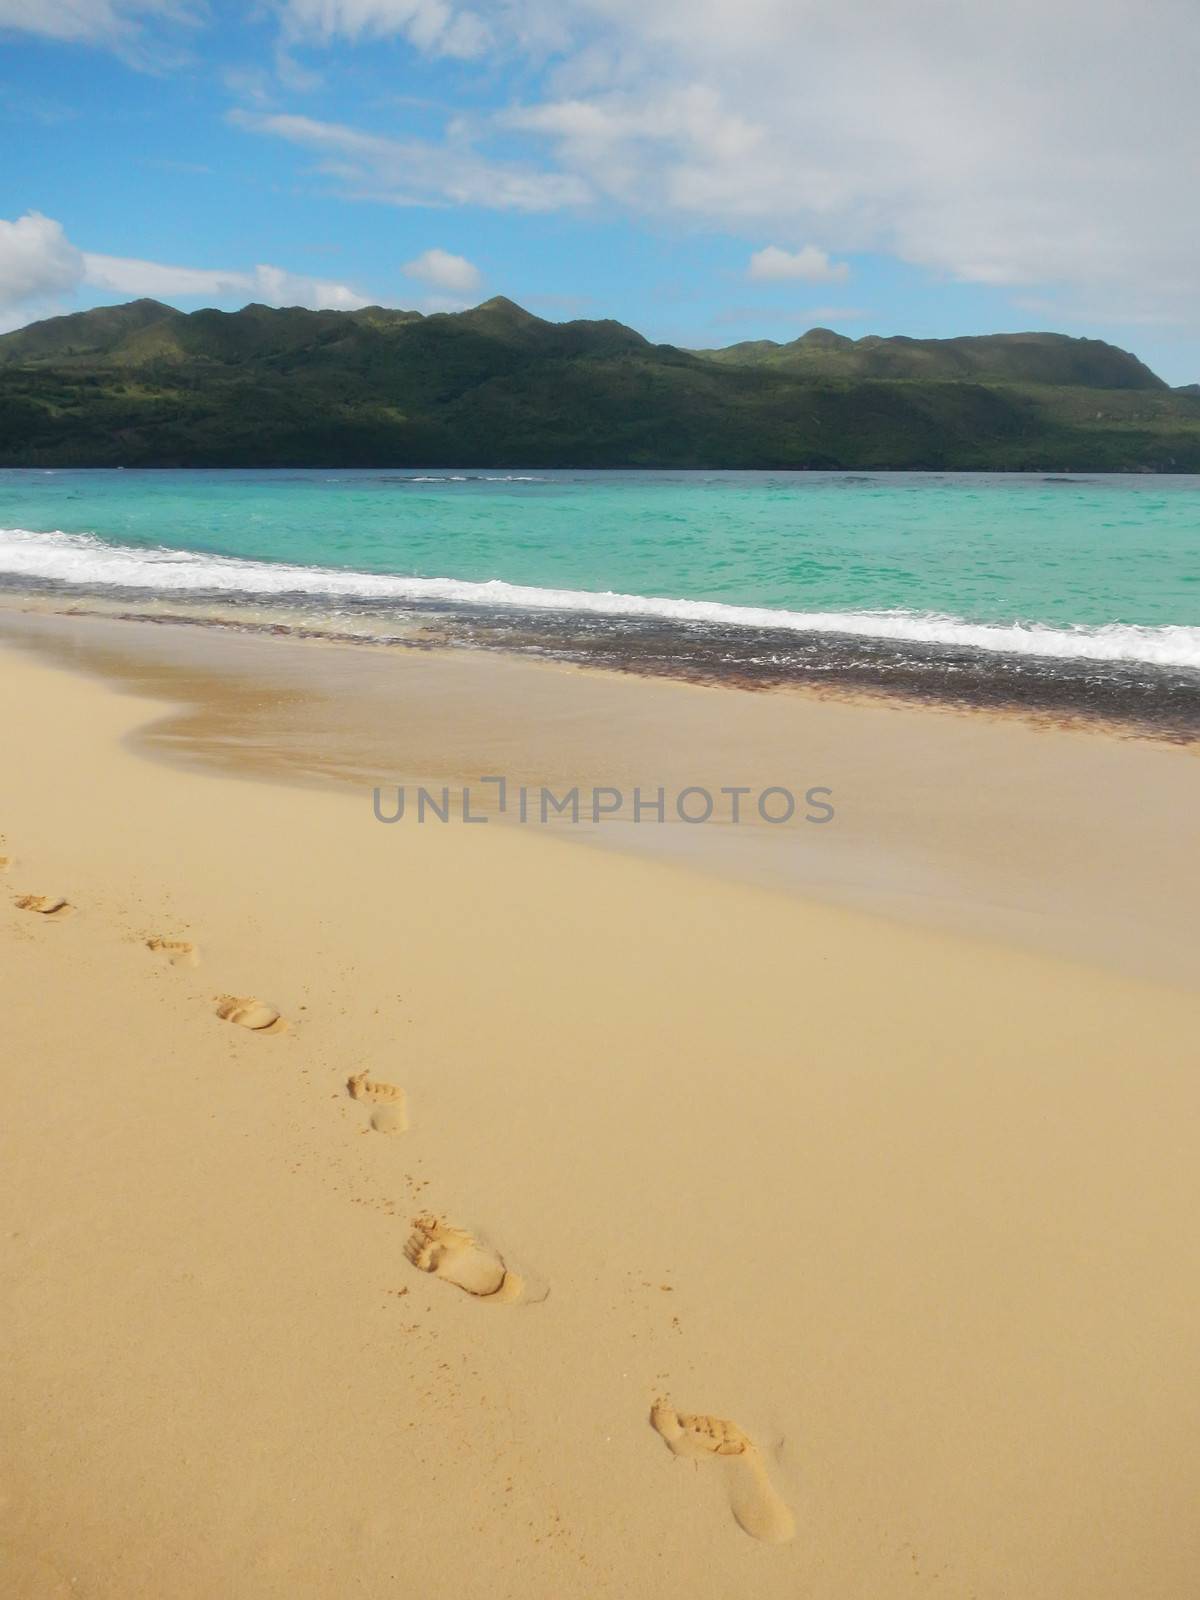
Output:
x=391 y=1104
x=250 y=1013
x=46 y=905
x=753 y=1500
x=460 y=1258
x=179 y=952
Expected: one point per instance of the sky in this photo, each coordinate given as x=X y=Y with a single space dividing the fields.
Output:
x=704 y=170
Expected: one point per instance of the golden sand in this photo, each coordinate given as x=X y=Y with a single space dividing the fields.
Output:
x=912 y=1206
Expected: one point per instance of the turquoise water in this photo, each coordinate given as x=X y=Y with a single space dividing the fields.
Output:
x=898 y=555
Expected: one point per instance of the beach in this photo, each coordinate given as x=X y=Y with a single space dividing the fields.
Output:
x=777 y=1210
x=599 y=801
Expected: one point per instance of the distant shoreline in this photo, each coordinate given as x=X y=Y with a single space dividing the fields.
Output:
x=1046 y=473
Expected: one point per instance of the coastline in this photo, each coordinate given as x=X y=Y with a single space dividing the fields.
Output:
x=1134 y=699
x=902 y=1205
x=1071 y=840
x=1066 y=600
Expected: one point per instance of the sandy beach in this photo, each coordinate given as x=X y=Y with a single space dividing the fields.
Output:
x=757 y=1211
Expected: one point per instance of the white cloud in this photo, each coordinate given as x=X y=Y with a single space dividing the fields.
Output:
x=626 y=144
x=441 y=270
x=415 y=172
x=134 y=28
x=1010 y=143
x=1035 y=146
x=270 y=285
x=127 y=275
x=79 y=20
x=1005 y=142
x=138 y=31
x=773 y=265
x=275 y=287
x=433 y=26
x=41 y=271
x=37 y=261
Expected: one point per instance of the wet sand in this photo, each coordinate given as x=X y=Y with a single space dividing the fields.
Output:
x=1070 y=841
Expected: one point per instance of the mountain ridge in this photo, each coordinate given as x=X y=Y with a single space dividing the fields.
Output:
x=999 y=357
x=144 y=384
x=103 y=331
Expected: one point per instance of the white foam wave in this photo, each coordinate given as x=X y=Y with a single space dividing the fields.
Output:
x=85 y=562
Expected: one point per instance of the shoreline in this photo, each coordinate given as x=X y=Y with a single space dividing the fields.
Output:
x=917 y=588
x=1122 y=698
x=897 y=1209
x=507 y=469
x=1071 y=823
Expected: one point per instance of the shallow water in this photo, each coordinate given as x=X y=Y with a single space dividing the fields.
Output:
x=1033 y=590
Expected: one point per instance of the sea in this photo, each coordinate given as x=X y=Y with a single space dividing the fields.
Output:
x=1062 y=595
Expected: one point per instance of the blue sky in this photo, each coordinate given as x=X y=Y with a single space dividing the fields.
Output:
x=705 y=171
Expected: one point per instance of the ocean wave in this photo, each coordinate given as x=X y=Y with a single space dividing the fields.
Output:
x=471 y=477
x=84 y=562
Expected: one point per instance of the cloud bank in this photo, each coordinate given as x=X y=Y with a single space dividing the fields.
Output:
x=370 y=166
x=271 y=286
x=1010 y=143
x=41 y=271
x=1047 y=148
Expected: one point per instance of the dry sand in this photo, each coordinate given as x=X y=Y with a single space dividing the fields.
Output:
x=456 y=1212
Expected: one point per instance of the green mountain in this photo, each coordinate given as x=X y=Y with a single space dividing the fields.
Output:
x=1039 y=358
x=145 y=385
x=88 y=335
